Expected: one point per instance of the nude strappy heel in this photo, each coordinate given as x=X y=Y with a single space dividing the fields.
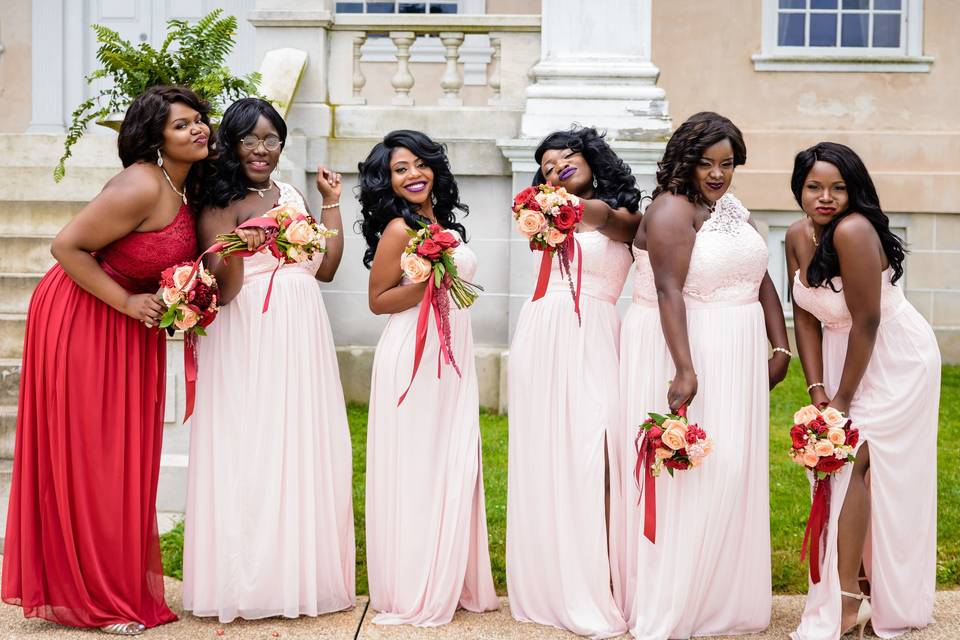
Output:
x=863 y=613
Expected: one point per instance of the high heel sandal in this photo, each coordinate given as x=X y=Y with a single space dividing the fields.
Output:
x=124 y=629
x=863 y=613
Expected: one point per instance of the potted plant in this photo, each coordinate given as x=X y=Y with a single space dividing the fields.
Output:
x=191 y=55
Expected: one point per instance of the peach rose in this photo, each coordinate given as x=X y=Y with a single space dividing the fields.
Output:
x=300 y=232
x=297 y=255
x=188 y=320
x=207 y=278
x=662 y=454
x=823 y=448
x=181 y=278
x=555 y=236
x=810 y=457
x=530 y=223
x=836 y=436
x=415 y=267
x=833 y=417
x=171 y=296
x=805 y=415
x=674 y=434
x=283 y=212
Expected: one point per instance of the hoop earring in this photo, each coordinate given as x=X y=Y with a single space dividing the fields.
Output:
x=159 y=159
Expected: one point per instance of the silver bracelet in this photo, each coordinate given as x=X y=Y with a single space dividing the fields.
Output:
x=815 y=384
x=783 y=351
x=331 y=206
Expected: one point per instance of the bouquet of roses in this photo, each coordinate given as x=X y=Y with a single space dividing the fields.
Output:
x=666 y=441
x=190 y=294
x=546 y=216
x=823 y=441
x=429 y=256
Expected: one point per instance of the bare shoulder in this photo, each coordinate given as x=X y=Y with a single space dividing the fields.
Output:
x=670 y=211
x=853 y=231
x=135 y=189
x=797 y=230
x=396 y=228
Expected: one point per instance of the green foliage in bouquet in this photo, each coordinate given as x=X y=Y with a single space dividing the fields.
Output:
x=191 y=55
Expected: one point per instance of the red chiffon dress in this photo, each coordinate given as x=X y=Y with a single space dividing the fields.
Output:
x=81 y=546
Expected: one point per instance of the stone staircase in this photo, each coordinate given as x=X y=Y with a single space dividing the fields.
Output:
x=33 y=208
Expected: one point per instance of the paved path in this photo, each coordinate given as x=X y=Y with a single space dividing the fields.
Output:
x=354 y=624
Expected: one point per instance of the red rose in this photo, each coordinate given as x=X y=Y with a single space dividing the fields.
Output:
x=798 y=434
x=526 y=199
x=829 y=464
x=206 y=318
x=654 y=432
x=429 y=249
x=166 y=277
x=434 y=228
x=680 y=465
x=566 y=219
x=201 y=295
x=853 y=437
x=445 y=239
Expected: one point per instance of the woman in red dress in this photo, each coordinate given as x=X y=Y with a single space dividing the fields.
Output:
x=82 y=547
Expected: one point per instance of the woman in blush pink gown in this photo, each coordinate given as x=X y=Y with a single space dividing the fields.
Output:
x=565 y=403
x=269 y=523
x=703 y=311
x=868 y=353
x=426 y=523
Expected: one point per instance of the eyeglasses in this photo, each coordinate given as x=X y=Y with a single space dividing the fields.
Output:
x=251 y=142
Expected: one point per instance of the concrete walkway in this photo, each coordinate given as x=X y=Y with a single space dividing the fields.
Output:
x=356 y=624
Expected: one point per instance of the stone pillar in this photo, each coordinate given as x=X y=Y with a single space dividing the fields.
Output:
x=594 y=70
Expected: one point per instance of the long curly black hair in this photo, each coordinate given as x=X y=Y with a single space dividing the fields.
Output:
x=141 y=133
x=685 y=148
x=863 y=199
x=379 y=204
x=616 y=184
x=227 y=181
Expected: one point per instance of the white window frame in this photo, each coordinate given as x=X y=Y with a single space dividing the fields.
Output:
x=475 y=51
x=907 y=58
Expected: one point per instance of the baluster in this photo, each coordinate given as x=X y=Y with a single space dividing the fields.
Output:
x=402 y=80
x=494 y=71
x=358 y=78
x=452 y=80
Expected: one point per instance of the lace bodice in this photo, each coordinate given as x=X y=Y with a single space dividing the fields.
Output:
x=727 y=265
x=605 y=267
x=830 y=307
x=264 y=262
x=137 y=259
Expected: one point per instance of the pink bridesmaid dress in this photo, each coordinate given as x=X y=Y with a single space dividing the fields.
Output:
x=896 y=409
x=709 y=571
x=564 y=409
x=426 y=521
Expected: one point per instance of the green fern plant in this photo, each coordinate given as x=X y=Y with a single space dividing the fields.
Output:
x=191 y=55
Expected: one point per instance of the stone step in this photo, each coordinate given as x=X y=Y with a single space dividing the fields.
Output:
x=8 y=431
x=45 y=218
x=15 y=291
x=12 y=326
x=25 y=253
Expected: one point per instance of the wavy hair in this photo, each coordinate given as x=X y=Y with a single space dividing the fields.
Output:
x=616 y=184
x=227 y=181
x=379 y=204
x=141 y=133
x=675 y=172
x=863 y=199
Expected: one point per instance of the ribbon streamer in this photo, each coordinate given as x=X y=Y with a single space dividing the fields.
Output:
x=190 y=372
x=816 y=524
x=571 y=246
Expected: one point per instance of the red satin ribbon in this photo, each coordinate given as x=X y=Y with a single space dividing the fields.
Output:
x=648 y=490
x=427 y=303
x=816 y=523
x=190 y=372
x=543 y=279
x=572 y=246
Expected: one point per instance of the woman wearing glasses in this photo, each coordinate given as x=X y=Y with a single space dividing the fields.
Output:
x=269 y=523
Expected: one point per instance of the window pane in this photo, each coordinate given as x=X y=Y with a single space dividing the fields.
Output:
x=413 y=7
x=886 y=30
x=790 y=30
x=443 y=7
x=823 y=4
x=380 y=7
x=856 y=4
x=886 y=4
x=823 y=30
x=853 y=31
x=349 y=7
x=793 y=4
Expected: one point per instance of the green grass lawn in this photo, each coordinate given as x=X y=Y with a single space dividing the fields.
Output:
x=789 y=493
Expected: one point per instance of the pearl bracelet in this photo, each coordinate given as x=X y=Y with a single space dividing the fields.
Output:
x=784 y=351
x=331 y=206
x=815 y=384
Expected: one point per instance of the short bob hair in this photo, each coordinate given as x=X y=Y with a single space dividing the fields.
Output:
x=686 y=146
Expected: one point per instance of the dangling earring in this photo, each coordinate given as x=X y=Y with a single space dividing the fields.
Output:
x=159 y=159
x=594 y=182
